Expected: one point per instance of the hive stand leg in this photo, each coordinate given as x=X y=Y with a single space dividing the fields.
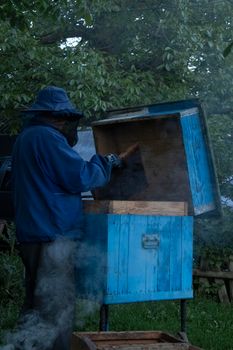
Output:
x=183 y=320
x=103 y=325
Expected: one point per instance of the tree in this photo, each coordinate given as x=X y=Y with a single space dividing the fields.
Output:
x=140 y=52
x=127 y=53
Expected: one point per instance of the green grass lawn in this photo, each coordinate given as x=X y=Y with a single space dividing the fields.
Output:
x=209 y=323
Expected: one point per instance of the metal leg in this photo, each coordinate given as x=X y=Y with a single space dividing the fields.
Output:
x=183 y=320
x=183 y=315
x=103 y=325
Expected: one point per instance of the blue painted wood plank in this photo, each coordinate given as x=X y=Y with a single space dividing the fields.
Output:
x=164 y=254
x=92 y=259
x=123 y=255
x=173 y=107
x=138 y=225
x=198 y=165
x=114 y=227
x=152 y=110
x=133 y=272
x=151 y=261
x=187 y=253
x=176 y=254
x=131 y=298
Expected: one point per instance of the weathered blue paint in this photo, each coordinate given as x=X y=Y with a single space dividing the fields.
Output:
x=158 y=108
x=173 y=107
x=164 y=230
x=198 y=166
x=176 y=244
x=132 y=298
x=113 y=246
x=90 y=267
x=210 y=203
x=149 y=274
x=155 y=109
x=151 y=259
x=122 y=268
x=130 y=271
x=187 y=254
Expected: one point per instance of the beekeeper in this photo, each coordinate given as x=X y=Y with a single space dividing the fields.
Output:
x=48 y=177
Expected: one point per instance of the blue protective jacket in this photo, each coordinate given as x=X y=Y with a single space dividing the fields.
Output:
x=48 y=177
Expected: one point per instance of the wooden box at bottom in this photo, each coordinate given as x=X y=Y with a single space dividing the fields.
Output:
x=135 y=251
x=150 y=340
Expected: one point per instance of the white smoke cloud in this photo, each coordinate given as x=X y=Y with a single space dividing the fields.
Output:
x=54 y=315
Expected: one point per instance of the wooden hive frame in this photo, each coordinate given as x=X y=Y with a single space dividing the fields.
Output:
x=140 y=340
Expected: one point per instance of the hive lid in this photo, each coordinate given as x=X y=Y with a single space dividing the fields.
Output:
x=174 y=162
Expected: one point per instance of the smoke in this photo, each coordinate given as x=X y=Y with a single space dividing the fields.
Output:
x=33 y=333
x=68 y=269
x=90 y=277
x=49 y=325
x=91 y=269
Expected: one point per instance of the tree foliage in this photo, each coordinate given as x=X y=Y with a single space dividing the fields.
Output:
x=129 y=52
x=152 y=36
x=126 y=53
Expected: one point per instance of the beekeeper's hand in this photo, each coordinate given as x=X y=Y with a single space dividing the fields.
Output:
x=119 y=161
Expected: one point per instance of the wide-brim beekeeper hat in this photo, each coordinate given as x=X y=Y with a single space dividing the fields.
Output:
x=55 y=100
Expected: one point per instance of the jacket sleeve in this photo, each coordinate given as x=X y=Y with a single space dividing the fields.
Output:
x=67 y=169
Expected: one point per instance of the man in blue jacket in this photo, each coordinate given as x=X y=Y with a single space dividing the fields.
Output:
x=48 y=178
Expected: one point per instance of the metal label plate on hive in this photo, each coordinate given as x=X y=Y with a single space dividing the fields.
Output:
x=150 y=241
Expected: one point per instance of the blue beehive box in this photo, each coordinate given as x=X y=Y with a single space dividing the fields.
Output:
x=138 y=242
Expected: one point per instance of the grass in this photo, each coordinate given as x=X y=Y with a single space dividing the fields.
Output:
x=209 y=323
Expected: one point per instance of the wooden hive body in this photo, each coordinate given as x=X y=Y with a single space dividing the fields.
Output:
x=150 y=340
x=139 y=229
